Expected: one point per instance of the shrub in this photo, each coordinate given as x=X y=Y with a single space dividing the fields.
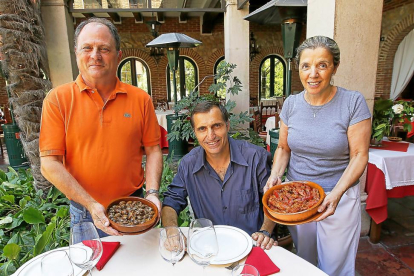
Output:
x=30 y=222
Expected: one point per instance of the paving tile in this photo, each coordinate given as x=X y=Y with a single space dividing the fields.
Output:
x=408 y=202
x=378 y=261
x=407 y=222
x=405 y=254
x=394 y=234
x=398 y=209
x=366 y=245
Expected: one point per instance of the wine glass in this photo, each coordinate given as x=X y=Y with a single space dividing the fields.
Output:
x=245 y=270
x=172 y=244
x=56 y=263
x=85 y=246
x=202 y=242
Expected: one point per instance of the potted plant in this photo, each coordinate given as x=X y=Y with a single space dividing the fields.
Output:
x=402 y=116
x=182 y=130
x=388 y=113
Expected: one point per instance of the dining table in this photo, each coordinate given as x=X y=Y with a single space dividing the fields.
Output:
x=270 y=124
x=139 y=255
x=162 y=121
x=390 y=174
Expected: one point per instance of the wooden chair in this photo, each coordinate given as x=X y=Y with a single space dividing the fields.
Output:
x=257 y=121
x=161 y=103
x=265 y=111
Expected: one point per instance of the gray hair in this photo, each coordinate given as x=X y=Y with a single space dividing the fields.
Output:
x=102 y=21
x=319 y=42
x=206 y=106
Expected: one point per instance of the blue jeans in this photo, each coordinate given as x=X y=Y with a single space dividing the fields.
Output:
x=78 y=214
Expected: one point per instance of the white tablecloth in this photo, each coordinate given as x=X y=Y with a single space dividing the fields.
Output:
x=162 y=117
x=397 y=166
x=139 y=255
x=270 y=124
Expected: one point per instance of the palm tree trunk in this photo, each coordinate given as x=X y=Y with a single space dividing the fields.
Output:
x=25 y=67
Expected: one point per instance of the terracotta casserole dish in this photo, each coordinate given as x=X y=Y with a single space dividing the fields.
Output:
x=297 y=216
x=130 y=210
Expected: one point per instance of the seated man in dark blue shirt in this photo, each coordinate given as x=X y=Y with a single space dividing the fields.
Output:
x=223 y=179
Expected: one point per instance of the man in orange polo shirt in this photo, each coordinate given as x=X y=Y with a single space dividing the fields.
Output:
x=96 y=129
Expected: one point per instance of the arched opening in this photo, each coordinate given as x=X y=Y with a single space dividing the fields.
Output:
x=272 y=81
x=135 y=72
x=187 y=78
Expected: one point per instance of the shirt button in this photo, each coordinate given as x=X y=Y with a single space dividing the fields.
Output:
x=225 y=208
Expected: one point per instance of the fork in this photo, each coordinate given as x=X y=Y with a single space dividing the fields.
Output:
x=233 y=265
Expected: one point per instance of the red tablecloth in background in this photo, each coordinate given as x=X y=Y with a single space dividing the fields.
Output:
x=411 y=133
x=163 y=139
x=377 y=199
x=394 y=146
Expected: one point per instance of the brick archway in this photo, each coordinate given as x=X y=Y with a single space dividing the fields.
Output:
x=255 y=67
x=387 y=54
x=144 y=56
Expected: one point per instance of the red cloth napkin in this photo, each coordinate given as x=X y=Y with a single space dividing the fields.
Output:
x=109 y=249
x=259 y=259
x=395 y=146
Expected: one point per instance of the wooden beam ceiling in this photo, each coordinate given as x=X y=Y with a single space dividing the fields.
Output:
x=115 y=16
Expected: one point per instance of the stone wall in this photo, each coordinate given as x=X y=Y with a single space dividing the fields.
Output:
x=397 y=22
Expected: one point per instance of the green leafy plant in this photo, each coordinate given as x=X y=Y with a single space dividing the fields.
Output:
x=381 y=119
x=387 y=113
x=169 y=170
x=31 y=222
x=182 y=130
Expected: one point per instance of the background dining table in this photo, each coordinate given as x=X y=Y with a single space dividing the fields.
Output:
x=390 y=174
x=162 y=121
x=139 y=255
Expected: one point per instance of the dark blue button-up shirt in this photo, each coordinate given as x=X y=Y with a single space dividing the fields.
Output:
x=236 y=201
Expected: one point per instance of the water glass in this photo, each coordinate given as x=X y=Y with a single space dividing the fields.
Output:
x=202 y=242
x=245 y=270
x=172 y=244
x=56 y=263
x=85 y=246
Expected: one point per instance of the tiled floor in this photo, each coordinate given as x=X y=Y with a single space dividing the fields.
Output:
x=394 y=254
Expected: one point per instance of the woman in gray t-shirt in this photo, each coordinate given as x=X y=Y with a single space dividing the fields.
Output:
x=324 y=138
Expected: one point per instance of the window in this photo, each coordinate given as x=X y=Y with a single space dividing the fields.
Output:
x=135 y=72
x=272 y=77
x=219 y=64
x=187 y=78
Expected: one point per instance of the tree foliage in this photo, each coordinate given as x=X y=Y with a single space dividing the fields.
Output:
x=182 y=130
x=25 y=67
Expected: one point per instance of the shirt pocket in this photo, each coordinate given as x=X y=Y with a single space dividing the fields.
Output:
x=247 y=201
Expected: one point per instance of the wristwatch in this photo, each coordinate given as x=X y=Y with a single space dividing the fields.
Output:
x=152 y=191
x=264 y=232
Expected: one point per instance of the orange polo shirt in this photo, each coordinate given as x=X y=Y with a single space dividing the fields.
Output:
x=102 y=144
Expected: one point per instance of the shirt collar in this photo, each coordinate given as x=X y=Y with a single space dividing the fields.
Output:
x=119 y=88
x=235 y=157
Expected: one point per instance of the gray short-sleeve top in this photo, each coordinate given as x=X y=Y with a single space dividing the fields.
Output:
x=319 y=143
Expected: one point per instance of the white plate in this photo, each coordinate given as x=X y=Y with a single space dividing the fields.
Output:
x=32 y=267
x=234 y=244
